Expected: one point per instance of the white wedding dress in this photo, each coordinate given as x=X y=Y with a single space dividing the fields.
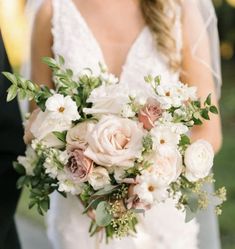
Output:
x=163 y=227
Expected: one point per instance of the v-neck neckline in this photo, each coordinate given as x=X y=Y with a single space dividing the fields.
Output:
x=98 y=46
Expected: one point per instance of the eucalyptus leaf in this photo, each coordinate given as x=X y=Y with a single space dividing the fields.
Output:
x=192 y=200
x=103 y=217
x=189 y=215
x=106 y=190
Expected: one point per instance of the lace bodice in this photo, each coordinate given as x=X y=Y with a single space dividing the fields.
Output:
x=164 y=226
x=74 y=40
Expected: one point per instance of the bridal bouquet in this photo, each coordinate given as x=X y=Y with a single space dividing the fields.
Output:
x=119 y=150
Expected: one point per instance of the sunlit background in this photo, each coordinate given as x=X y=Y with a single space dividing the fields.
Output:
x=15 y=28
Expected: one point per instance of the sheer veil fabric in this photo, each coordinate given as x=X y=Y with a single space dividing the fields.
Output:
x=200 y=23
x=73 y=40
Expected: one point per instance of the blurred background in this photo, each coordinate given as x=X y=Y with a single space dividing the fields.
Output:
x=15 y=30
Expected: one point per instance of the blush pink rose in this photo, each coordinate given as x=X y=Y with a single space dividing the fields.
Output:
x=150 y=113
x=79 y=166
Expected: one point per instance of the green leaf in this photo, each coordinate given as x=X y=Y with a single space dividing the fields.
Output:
x=213 y=109
x=193 y=202
x=45 y=204
x=106 y=190
x=189 y=215
x=197 y=103
x=93 y=204
x=204 y=114
x=103 y=217
x=208 y=100
x=197 y=121
x=22 y=94
x=32 y=203
x=185 y=140
x=61 y=135
x=10 y=77
x=50 y=62
x=21 y=182
x=19 y=168
x=12 y=92
x=61 y=60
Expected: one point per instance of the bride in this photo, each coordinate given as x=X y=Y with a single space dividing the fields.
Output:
x=133 y=38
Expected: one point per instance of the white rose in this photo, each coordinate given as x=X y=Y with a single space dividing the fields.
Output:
x=99 y=178
x=198 y=160
x=107 y=99
x=115 y=141
x=166 y=165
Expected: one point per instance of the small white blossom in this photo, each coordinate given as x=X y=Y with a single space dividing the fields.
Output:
x=29 y=160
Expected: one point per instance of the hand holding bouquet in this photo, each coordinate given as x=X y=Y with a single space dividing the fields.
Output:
x=120 y=150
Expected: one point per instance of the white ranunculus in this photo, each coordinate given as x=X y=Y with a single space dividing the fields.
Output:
x=149 y=190
x=115 y=141
x=198 y=160
x=107 y=99
x=58 y=116
x=166 y=165
x=29 y=160
x=99 y=178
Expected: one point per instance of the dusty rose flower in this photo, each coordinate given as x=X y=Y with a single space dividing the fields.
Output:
x=79 y=165
x=150 y=113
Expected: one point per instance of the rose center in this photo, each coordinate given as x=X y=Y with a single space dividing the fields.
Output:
x=61 y=109
x=151 y=188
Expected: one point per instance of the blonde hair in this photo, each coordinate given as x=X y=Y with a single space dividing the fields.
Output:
x=161 y=22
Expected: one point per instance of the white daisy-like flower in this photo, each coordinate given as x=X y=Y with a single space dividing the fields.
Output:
x=164 y=136
x=149 y=191
x=62 y=108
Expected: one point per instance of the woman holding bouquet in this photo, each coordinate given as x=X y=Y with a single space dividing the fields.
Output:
x=133 y=39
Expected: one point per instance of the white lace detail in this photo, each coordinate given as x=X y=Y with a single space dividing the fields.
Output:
x=163 y=227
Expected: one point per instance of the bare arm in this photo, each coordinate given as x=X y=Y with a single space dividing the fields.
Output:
x=41 y=47
x=195 y=73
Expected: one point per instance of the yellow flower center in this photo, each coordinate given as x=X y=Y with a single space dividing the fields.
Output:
x=151 y=188
x=61 y=109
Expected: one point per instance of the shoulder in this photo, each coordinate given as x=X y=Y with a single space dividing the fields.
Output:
x=44 y=13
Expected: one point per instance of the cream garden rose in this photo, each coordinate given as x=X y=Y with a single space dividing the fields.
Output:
x=76 y=137
x=99 y=178
x=166 y=165
x=115 y=141
x=198 y=160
